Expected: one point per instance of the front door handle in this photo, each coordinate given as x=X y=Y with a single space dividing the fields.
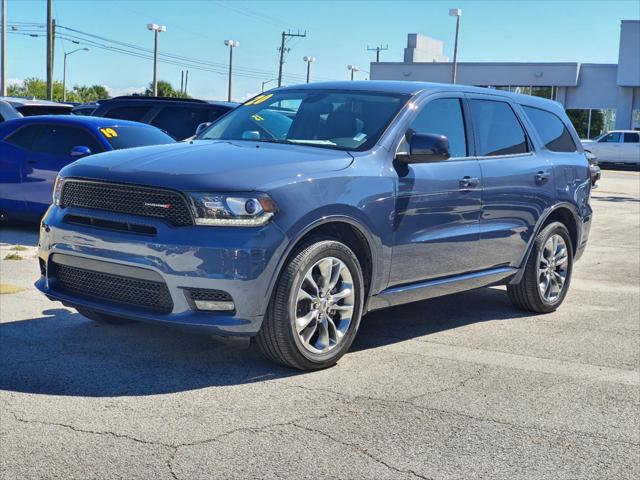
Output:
x=542 y=177
x=468 y=183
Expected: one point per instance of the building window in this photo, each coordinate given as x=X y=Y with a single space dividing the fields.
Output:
x=635 y=119
x=590 y=123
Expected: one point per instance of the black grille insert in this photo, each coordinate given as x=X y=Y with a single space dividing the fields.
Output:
x=112 y=288
x=130 y=199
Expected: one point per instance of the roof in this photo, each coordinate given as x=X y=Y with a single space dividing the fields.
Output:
x=18 y=101
x=95 y=122
x=413 y=88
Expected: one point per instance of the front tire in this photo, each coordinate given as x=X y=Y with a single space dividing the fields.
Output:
x=547 y=274
x=316 y=307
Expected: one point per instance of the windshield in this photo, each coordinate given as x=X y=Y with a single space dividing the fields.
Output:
x=133 y=136
x=328 y=119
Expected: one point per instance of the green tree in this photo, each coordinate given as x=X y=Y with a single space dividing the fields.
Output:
x=165 y=89
x=37 y=88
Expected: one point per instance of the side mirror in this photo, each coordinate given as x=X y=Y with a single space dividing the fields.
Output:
x=426 y=148
x=80 y=151
x=202 y=127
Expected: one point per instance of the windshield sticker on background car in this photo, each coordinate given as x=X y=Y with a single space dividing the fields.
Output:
x=257 y=117
x=109 y=132
x=259 y=99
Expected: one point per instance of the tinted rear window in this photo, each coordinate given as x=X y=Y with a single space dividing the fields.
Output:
x=131 y=112
x=497 y=128
x=182 y=122
x=631 y=138
x=30 y=110
x=552 y=131
x=133 y=136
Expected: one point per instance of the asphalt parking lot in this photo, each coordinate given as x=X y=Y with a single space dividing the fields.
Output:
x=457 y=387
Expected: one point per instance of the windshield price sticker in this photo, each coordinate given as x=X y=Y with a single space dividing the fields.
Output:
x=109 y=132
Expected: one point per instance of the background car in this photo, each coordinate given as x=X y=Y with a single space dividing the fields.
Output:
x=84 y=108
x=14 y=107
x=34 y=149
x=180 y=117
x=618 y=146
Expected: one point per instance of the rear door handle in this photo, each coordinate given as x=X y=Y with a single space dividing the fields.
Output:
x=542 y=177
x=468 y=183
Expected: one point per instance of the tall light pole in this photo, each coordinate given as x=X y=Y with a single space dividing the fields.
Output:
x=231 y=44
x=64 y=71
x=309 y=61
x=3 y=51
x=354 y=69
x=49 y=50
x=155 y=29
x=455 y=12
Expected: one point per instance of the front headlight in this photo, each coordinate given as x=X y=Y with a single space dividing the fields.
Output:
x=57 y=190
x=235 y=210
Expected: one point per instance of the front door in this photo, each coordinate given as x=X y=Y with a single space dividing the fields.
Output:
x=438 y=204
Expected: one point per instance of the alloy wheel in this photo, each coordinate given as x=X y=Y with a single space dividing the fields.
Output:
x=553 y=262
x=324 y=305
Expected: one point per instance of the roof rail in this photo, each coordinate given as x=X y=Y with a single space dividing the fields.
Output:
x=150 y=97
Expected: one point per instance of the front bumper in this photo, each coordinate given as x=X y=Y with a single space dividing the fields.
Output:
x=242 y=262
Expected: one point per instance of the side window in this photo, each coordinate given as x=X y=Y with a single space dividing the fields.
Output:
x=132 y=112
x=552 y=131
x=444 y=117
x=631 y=137
x=181 y=122
x=498 y=131
x=59 y=140
x=26 y=137
x=610 y=138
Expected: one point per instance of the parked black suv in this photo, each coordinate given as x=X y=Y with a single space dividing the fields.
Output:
x=179 y=117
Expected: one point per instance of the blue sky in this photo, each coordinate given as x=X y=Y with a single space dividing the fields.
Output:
x=338 y=34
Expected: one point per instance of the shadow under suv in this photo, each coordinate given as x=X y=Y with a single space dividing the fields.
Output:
x=308 y=206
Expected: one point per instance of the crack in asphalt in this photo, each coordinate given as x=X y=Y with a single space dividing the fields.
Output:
x=360 y=450
x=421 y=408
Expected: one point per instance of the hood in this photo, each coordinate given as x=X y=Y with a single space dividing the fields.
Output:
x=208 y=165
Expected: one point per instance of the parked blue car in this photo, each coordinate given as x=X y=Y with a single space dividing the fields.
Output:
x=34 y=149
x=308 y=206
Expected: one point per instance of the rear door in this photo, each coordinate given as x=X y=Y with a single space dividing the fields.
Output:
x=517 y=181
x=438 y=204
x=630 y=149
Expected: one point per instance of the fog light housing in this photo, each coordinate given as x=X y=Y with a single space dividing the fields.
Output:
x=214 y=305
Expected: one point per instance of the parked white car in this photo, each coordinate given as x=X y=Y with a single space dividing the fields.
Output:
x=14 y=107
x=618 y=146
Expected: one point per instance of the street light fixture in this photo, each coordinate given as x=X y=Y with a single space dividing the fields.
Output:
x=155 y=29
x=309 y=61
x=455 y=12
x=64 y=71
x=353 y=68
x=231 y=44
x=267 y=81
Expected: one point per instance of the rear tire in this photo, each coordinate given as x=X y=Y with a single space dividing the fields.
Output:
x=316 y=307
x=547 y=274
x=102 y=317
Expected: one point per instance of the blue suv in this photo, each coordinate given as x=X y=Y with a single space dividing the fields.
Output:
x=308 y=206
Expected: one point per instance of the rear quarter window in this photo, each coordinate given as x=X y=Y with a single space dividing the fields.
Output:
x=552 y=130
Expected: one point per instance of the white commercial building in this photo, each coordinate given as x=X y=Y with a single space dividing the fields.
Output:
x=597 y=97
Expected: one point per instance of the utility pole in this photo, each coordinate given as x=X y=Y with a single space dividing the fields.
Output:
x=49 y=50
x=455 y=12
x=231 y=44
x=377 y=49
x=181 y=81
x=285 y=35
x=3 y=51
